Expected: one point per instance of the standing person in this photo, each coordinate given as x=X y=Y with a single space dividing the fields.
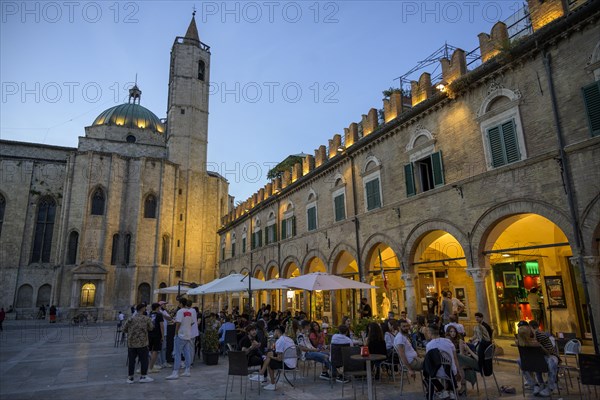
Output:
x=432 y=306
x=137 y=328
x=155 y=336
x=457 y=305
x=186 y=330
x=2 y=317
x=365 y=309
x=162 y=356
x=533 y=297
x=53 y=313
x=446 y=308
x=120 y=319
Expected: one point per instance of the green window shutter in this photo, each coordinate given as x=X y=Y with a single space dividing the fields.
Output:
x=591 y=99
x=511 y=143
x=283 y=229
x=275 y=232
x=232 y=249
x=243 y=245
x=340 y=212
x=496 y=147
x=293 y=225
x=253 y=241
x=409 y=178
x=438 y=169
x=373 y=198
x=260 y=242
x=312 y=218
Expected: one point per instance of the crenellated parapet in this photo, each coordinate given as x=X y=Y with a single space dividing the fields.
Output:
x=542 y=12
x=392 y=107
x=370 y=122
x=490 y=45
x=421 y=90
x=455 y=67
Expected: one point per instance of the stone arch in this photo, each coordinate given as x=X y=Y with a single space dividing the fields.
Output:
x=493 y=95
x=336 y=177
x=590 y=226
x=144 y=293
x=416 y=134
x=420 y=230
x=368 y=160
x=286 y=267
x=312 y=193
x=336 y=252
x=271 y=270
x=43 y=295
x=24 y=296
x=380 y=238
x=486 y=223
x=287 y=260
x=311 y=254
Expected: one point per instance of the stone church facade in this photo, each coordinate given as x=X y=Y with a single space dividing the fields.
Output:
x=99 y=227
x=466 y=189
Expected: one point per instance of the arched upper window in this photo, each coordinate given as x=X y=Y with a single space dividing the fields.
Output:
x=98 y=202
x=87 y=297
x=163 y=296
x=114 y=255
x=2 y=208
x=72 y=248
x=44 y=227
x=150 y=206
x=127 y=248
x=164 y=258
x=201 y=69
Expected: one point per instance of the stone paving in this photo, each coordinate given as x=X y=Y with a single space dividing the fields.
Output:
x=43 y=361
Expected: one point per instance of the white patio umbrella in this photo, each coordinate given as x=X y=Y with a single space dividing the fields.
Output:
x=324 y=281
x=277 y=283
x=172 y=289
x=230 y=283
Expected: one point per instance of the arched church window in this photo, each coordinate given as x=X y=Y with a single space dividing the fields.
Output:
x=127 y=248
x=114 y=255
x=201 y=68
x=98 y=201
x=43 y=297
x=165 y=250
x=72 y=248
x=150 y=206
x=44 y=227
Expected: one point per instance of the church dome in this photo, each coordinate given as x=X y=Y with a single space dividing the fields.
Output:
x=130 y=115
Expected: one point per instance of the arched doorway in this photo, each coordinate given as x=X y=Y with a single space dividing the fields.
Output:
x=528 y=251
x=383 y=270
x=143 y=293
x=346 y=301
x=315 y=299
x=25 y=296
x=43 y=297
x=294 y=299
x=440 y=265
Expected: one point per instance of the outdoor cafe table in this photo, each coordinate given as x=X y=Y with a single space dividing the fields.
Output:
x=368 y=359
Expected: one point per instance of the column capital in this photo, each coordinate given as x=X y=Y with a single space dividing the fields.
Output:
x=591 y=264
x=409 y=279
x=478 y=274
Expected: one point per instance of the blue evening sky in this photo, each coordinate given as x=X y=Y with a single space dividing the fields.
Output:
x=287 y=76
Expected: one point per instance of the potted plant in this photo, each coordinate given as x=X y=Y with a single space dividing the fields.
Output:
x=210 y=345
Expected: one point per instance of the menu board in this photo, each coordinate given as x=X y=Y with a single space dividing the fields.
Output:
x=555 y=291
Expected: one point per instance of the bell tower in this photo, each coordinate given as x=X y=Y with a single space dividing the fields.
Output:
x=187 y=109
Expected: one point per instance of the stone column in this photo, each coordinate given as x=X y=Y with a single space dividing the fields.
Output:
x=591 y=268
x=411 y=295
x=479 y=275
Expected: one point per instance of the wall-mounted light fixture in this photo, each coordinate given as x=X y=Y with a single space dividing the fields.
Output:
x=442 y=86
x=397 y=211
x=459 y=190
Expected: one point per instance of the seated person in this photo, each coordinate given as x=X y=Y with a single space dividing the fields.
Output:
x=342 y=336
x=526 y=338
x=227 y=326
x=407 y=353
x=251 y=346
x=274 y=359
x=467 y=359
x=376 y=344
x=445 y=345
x=310 y=352
x=552 y=358
x=454 y=322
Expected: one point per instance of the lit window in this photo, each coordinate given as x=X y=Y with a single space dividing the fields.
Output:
x=424 y=174
x=88 y=295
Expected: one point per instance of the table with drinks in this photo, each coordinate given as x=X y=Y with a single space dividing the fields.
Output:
x=367 y=358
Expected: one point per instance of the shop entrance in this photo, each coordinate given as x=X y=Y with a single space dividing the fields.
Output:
x=533 y=278
x=346 y=301
x=383 y=271
x=294 y=299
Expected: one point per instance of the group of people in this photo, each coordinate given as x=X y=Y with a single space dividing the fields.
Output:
x=147 y=339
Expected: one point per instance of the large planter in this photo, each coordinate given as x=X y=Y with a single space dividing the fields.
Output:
x=210 y=358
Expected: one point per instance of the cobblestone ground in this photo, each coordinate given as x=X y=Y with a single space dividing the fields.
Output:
x=43 y=361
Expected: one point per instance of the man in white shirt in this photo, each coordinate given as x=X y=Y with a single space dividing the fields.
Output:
x=407 y=353
x=275 y=360
x=342 y=336
x=186 y=330
x=445 y=345
x=457 y=305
